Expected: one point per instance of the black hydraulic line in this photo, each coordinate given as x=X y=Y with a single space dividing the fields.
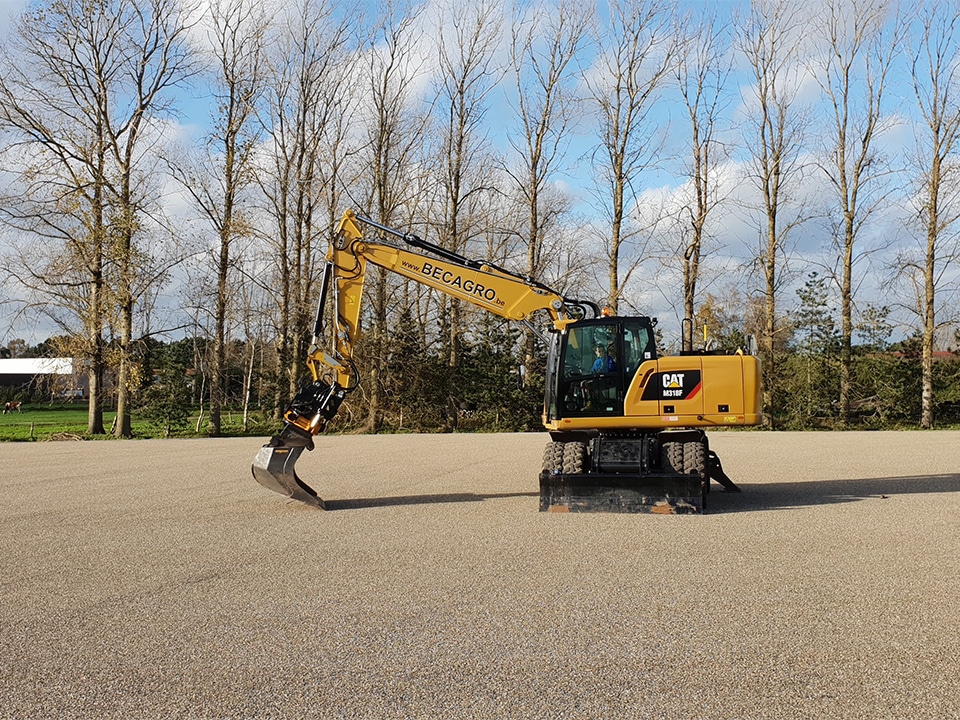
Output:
x=583 y=305
x=418 y=242
x=322 y=303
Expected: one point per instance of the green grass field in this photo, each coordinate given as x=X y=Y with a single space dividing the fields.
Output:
x=45 y=422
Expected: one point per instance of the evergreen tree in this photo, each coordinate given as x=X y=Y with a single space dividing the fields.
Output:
x=811 y=375
x=165 y=399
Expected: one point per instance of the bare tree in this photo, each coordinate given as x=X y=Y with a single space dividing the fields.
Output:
x=937 y=86
x=545 y=40
x=157 y=61
x=701 y=71
x=769 y=39
x=395 y=131
x=237 y=37
x=636 y=55
x=467 y=74
x=860 y=44
x=79 y=87
x=304 y=108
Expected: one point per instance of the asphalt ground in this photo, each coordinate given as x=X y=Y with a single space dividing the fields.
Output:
x=156 y=579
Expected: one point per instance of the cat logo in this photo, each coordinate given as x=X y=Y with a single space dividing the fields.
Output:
x=673 y=380
x=673 y=386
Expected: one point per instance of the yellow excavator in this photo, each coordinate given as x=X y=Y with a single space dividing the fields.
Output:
x=627 y=428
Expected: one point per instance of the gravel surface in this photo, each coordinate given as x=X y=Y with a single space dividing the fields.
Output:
x=156 y=579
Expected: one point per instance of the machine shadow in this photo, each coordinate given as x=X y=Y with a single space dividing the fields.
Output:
x=362 y=503
x=781 y=496
x=753 y=498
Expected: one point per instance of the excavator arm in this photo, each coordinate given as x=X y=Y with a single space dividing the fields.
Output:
x=334 y=374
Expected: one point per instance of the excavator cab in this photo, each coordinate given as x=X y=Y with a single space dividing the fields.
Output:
x=592 y=363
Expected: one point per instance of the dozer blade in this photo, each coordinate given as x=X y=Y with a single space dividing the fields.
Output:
x=621 y=493
x=274 y=469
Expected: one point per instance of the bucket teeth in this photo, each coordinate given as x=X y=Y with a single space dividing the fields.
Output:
x=274 y=468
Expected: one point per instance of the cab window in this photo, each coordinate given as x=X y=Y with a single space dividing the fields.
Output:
x=638 y=346
x=591 y=383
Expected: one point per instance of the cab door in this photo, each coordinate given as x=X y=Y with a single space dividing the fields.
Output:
x=591 y=376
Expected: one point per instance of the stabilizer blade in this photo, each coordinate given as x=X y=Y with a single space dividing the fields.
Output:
x=621 y=493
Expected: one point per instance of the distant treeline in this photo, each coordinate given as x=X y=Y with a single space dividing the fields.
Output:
x=490 y=390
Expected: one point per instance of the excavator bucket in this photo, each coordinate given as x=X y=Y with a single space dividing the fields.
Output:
x=274 y=468
x=274 y=465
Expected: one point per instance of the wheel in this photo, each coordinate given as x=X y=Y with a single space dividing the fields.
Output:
x=695 y=458
x=553 y=458
x=574 y=457
x=671 y=457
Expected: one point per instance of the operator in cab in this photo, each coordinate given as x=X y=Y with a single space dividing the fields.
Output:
x=603 y=363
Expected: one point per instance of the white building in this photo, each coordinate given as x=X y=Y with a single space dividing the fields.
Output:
x=57 y=377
